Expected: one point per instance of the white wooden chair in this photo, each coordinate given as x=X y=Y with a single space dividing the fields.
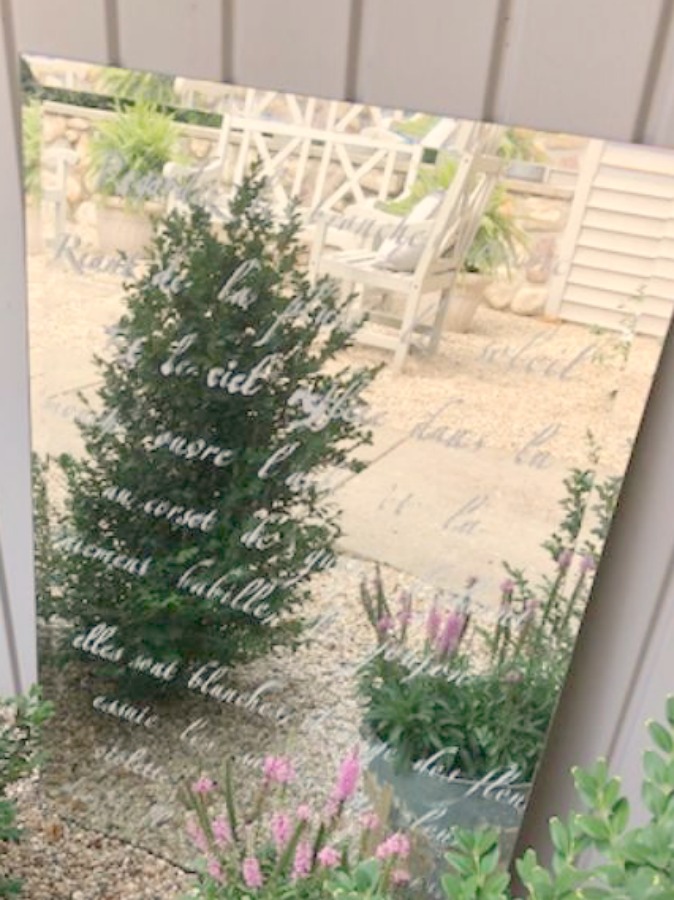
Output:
x=443 y=240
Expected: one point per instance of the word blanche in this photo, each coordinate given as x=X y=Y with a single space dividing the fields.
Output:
x=206 y=680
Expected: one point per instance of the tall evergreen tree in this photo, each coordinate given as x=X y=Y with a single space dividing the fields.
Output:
x=196 y=516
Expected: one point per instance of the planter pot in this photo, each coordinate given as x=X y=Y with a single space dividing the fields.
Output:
x=123 y=227
x=434 y=804
x=466 y=296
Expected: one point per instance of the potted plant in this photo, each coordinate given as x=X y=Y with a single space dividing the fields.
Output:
x=457 y=709
x=594 y=853
x=128 y=154
x=496 y=245
x=32 y=174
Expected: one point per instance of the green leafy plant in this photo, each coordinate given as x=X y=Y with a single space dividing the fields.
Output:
x=488 y=711
x=194 y=525
x=498 y=239
x=276 y=849
x=625 y=864
x=32 y=148
x=148 y=87
x=133 y=145
x=21 y=721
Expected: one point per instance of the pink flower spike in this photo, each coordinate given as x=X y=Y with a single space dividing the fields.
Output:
x=252 y=874
x=222 y=833
x=400 y=876
x=214 y=869
x=397 y=844
x=347 y=781
x=303 y=812
x=370 y=821
x=203 y=785
x=507 y=586
x=450 y=636
x=196 y=834
x=281 y=829
x=588 y=564
x=564 y=559
x=433 y=623
x=329 y=857
x=384 y=625
x=278 y=769
x=302 y=862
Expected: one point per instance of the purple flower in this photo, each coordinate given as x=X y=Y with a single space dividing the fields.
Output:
x=433 y=623
x=405 y=614
x=328 y=857
x=281 y=829
x=564 y=560
x=397 y=844
x=222 y=833
x=384 y=625
x=369 y=821
x=252 y=874
x=347 y=780
x=214 y=869
x=450 y=636
x=303 y=812
x=302 y=862
x=196 y=834
x=203 y=785
x=588 y=564
x=278 y=769
x=507 y=586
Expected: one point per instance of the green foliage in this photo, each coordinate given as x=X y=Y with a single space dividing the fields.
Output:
x=489 y=716
x=498 y=239
x=625 y=864
x=21 y=721
x=266 y=534
x=137 y=142
x=32 y=148
x=147 y=87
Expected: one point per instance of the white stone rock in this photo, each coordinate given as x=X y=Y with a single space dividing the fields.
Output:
x=499 y=295
x=73 y=189
x=79 y=124
x=200 y=147
x=86 y=213
x=529 y=301
x=53 y=127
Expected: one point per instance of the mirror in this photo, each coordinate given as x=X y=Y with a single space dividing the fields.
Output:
x=331 y=409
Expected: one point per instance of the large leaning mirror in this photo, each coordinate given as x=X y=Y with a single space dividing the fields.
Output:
x=331 y=410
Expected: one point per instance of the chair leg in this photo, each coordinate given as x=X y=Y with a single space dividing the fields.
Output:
x=407 y=329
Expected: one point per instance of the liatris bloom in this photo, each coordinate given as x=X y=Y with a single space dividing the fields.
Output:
x=588 y=564
x=328 y=857
x=278 y=769
x=203 y=785
x=405 y=614
x=347 y=780
x=214 y=869
x=252 y=874
x=449 y=637
x=564 y=559
x=400 y=876
x=397 y=844
x=222 y=833
x=507 y=586
x=302 y=862
x=281 y=829
x=384 y=625
x=369 y=821
x=433 y=623
x=196 y=834
x=303 y=812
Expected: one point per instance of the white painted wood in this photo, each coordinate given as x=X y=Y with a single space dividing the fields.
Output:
x=15 y=491
x=172 y=36
x=434 y=57
x=300 y=46
x=73 y=29
x=576 y=66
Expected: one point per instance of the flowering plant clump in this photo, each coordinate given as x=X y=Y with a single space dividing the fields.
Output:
x=281 y=849
x=478 y=697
